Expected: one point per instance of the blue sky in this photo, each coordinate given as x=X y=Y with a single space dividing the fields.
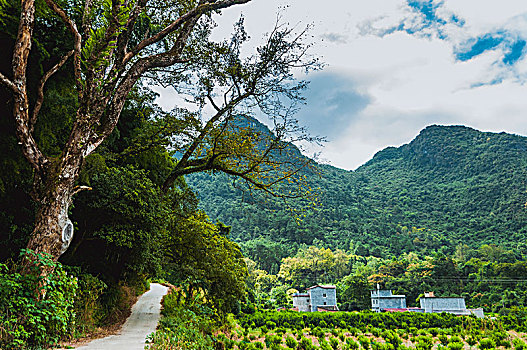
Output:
x=395 y=66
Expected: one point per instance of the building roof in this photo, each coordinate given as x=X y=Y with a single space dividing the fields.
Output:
x=300 y=295
x=437 y=298
x=325 y=286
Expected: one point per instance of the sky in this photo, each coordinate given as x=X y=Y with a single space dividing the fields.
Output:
x=393 y=67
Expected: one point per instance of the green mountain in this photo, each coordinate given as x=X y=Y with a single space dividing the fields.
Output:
x=451 y=185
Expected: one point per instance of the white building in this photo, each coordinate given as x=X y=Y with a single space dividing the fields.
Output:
x=316 y=298
x=384 y=299
x=452 y=305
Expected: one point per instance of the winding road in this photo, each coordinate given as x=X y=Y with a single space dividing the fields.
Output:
x=143 y=321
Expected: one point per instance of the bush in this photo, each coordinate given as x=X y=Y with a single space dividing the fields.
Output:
x=455 y=345
x=471 y=340
x=183 y=329
x=455 y=339
x=291 y=342
x=33 y=316
x=424 y=343
x=87 y=305
x=273 y=339
x=364 y=342
x=519 y=344
x=323 y=344
x=270 y=324
x=351 y=344
x=487 y=343
x=305 y=344
x=443 y=339
x=334 y=342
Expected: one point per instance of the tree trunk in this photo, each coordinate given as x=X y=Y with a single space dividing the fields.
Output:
x=53 y=230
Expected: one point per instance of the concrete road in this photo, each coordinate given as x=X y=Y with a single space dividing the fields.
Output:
x=143 y=321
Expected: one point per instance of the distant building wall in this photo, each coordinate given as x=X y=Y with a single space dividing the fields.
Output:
x=477 y=312
x=435 y=304
x=384 y=299
x=301 y=302
x=322 y=296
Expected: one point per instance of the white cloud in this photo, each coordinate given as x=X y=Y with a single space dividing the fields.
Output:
x=410 y=80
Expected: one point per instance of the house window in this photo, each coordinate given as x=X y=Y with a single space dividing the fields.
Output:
x=324 y=295
x=325 y=303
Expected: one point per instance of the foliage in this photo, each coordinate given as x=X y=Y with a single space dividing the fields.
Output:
x=125 y=225
x=181 y=328
x=450 y=186
x=205 y=263
x=29 y=321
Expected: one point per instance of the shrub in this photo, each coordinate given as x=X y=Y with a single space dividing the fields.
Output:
x=299 y=334
x=424 y=343
x=273 y=339
x=413 y=330
x=305 y=344
x=323 y=344
x=487 y=343
x=33 y=316
x=443 y=339
x=433 y=331
x=182 y=328
x=392 y=338
x=334 y=342
x=455 y=339
x=455 y=345
x=353 y=331
x=351 y=344
x=364 y=342
x=270 y=324
x=291 y=342
x=471 y=340
x=519 y=344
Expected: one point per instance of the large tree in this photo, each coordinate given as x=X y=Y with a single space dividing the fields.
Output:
x=117 y=44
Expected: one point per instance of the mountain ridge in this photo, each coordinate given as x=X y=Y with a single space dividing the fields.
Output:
x=450 y=185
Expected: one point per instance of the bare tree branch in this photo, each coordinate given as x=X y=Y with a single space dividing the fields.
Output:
x=20 y=102
x=8 y=83
x=196 y=12
x=40 y=92
x=77 y=39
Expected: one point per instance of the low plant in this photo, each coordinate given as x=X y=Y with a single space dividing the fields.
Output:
x=35 y=310
x=291 y=342
x=519 y=344
x=486 y=343
x=351 y=344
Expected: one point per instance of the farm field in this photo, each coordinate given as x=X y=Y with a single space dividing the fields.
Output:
x=367 y=330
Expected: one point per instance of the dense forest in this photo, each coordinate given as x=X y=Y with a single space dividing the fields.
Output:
x=451 y=185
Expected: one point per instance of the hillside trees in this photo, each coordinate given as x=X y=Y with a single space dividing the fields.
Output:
x=113 y=45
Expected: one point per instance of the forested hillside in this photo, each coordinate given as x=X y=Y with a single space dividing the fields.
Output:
x=449 y=186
